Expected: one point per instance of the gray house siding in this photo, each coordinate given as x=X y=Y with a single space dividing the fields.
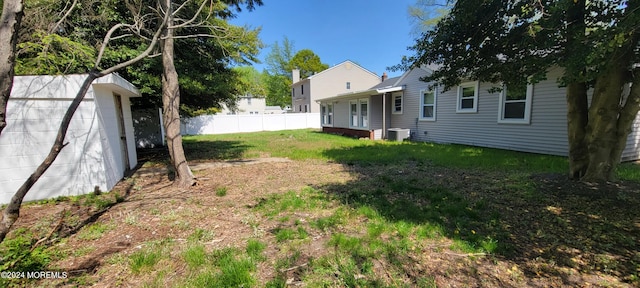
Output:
x=375 y=119
x=411 y=100
x=545 y=134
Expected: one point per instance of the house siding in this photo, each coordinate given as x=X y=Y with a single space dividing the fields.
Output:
x=375 y=119
x=332 y=82
x=545 y=134
x=411 y=101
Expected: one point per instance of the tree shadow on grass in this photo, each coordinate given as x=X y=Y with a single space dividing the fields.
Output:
x=197 y=151
x=546 y=224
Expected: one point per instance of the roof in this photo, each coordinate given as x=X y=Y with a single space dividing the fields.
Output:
x=67 y=86
x=273 y=108
x=390 y=82
x=335 y=66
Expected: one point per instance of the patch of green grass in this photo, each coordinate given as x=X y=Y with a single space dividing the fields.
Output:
x=94 y=231
x=221 y=191
x=255 y=248
x=144 y=260
x=629 y=171
x=17 y=253
x=285 y=234
x=195 y=256
x=308 y=199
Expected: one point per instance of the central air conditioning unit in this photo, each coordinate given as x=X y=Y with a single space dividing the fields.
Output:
x=397 y=134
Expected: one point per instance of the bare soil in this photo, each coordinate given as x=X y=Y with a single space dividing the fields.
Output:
x=553 y=240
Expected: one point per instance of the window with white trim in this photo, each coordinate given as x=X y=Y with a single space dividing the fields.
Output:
x=428 y=104
x=515 y=104
x=348 y=85
x=397 y=103
x=468 y=97
x=359 y=113
x=326 y=112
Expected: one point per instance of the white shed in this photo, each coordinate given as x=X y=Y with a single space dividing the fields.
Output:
x=101 y=144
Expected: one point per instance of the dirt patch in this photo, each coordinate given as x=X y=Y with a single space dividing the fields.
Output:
x=556 y=233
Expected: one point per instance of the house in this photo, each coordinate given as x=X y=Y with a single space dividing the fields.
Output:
x=342 y=78
x=101 y=145
x=246 y=105
x=530 y=119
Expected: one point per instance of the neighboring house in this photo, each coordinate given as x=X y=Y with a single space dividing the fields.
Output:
x=246 y=105
x=100 y=141
x=342 y=78
x=533 y=119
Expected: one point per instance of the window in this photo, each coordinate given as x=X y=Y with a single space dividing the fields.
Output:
x=468 y=97
x=428 y=104
x=249 y=101
x=515 y=104
x=326 y=112
x=306 y=108
x=293 y=91
x=364 y=117
x=397 y=103
x=302 y=89
x=359 y=112
x=348 y=85
x=354 y=113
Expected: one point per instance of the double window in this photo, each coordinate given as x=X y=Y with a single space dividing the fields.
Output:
x=359 y=113
x=397 y=103
x=515 y=104
x=326 y=114
x=428 y=104
x=468 y=97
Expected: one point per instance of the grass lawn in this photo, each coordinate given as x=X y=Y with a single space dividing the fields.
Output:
x=343 y=213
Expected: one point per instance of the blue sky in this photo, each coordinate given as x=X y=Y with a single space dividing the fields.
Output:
x=373 y=33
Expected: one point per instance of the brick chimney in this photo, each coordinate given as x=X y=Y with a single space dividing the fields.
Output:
x=295 y=75
x=384 y=76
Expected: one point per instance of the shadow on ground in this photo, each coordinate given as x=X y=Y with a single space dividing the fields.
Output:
x=197 y=151
x=546 y=224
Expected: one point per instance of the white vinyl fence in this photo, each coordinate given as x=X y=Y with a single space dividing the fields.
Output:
x=148 y=130
x=223 y=124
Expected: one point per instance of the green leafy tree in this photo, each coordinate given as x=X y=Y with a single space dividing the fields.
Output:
x=308 y=62
x=280 y=62
x=250 y=82
x=596 y=42
x=206 y=79
x=425 y=14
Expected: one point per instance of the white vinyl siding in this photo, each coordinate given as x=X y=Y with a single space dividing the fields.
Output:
x=428 y=98
x=468 y=97
x=515 y=105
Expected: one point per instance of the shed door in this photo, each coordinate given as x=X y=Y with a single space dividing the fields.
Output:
x=121 y=130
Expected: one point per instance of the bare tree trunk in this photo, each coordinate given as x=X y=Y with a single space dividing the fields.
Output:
x=577 y=120
x=628 y=114
x=577 y=103
x=9 y=26
x=603 y=132
x=171 y=106
x=12 y=211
